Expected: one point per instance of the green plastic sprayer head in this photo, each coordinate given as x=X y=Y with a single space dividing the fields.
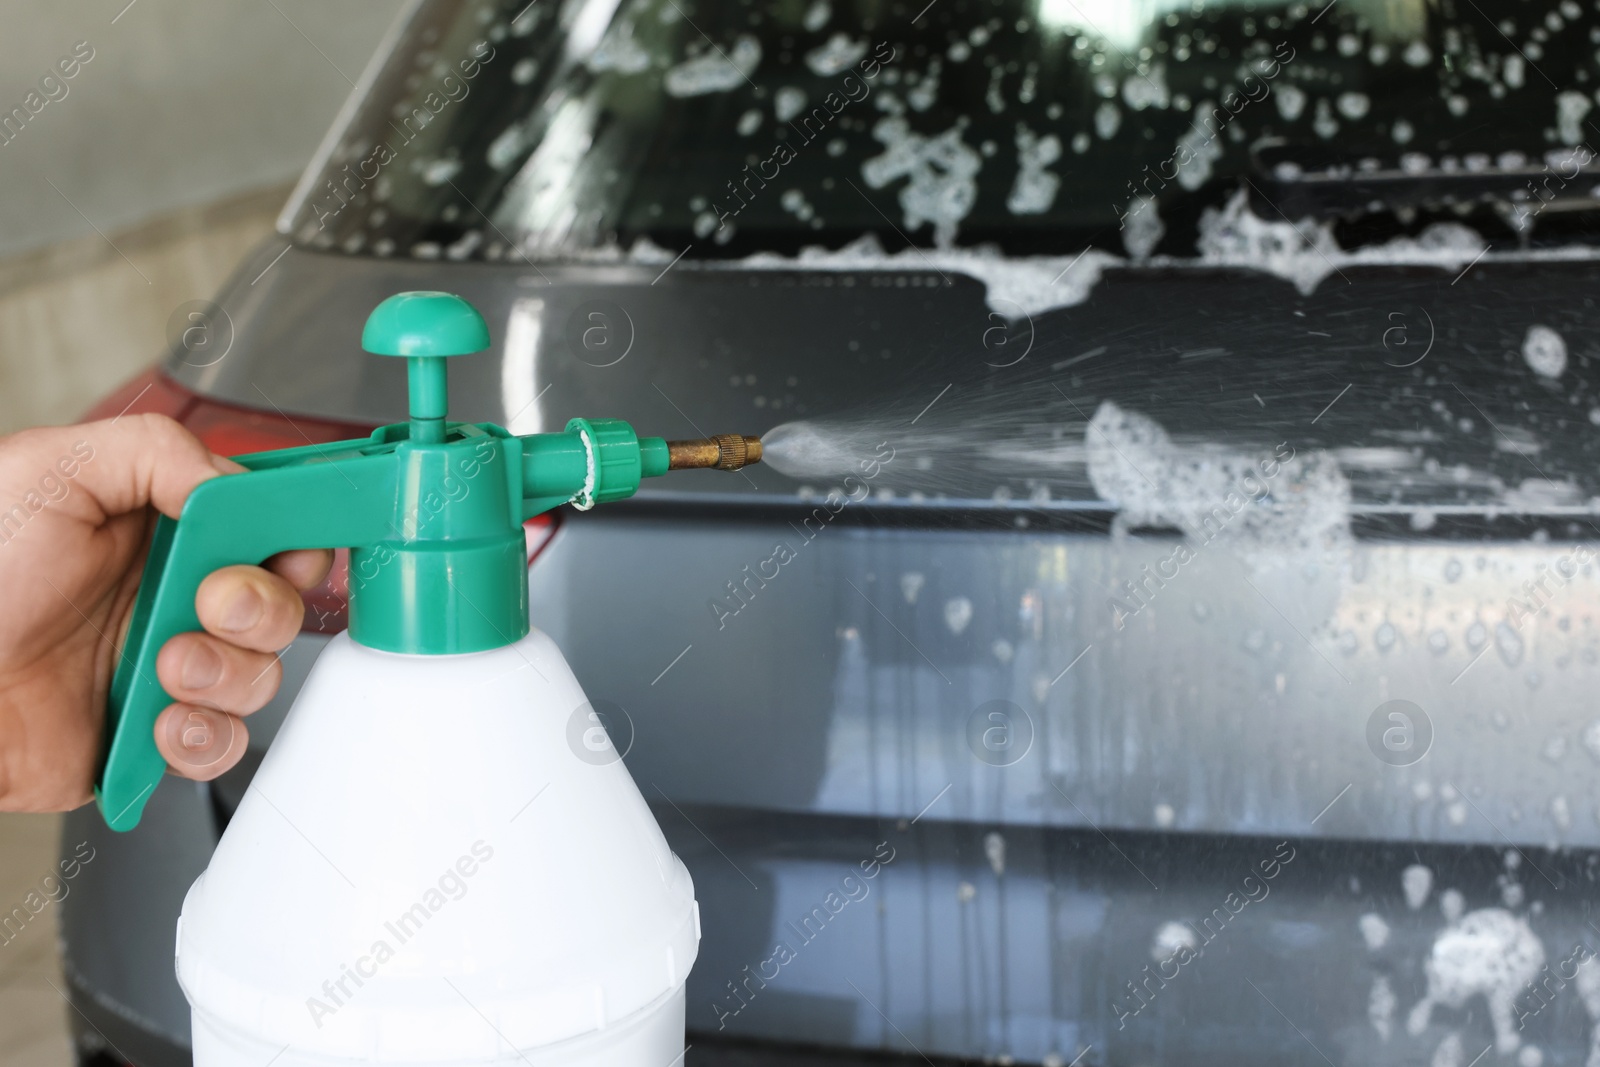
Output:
x=431 y=511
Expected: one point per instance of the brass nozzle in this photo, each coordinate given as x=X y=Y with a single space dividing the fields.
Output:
x=723 y=452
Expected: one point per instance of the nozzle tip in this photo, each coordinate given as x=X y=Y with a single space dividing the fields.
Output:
x=723 y=452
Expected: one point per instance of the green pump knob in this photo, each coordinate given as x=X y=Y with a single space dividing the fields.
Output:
x=425 y=327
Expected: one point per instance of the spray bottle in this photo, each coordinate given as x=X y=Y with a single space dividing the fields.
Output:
x=426 y=868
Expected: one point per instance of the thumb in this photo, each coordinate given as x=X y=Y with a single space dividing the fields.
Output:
x=121 y=464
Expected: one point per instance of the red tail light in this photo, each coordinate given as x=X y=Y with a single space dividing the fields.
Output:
x=150 y=392
x=235 y=431
x=328 y=605
x=226 y=429
x=538 y=531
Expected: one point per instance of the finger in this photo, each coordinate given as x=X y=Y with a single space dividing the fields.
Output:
x=122 y=464
x=209 y=672
x=200 y=743
x=250 y=607
x=304 y=568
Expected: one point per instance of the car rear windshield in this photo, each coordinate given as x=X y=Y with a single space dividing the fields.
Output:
x=728 y=127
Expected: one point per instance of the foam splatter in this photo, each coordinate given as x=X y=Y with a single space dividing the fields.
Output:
x=840 y=53
x=1170 y=939
x=1306 y=252
x=1035 y=187
x=716 y=71
x=1416 y=881
x=1490 y=953
x=1374 y=931
x=1208 y=491
x=942 y=170
x=1545 y=351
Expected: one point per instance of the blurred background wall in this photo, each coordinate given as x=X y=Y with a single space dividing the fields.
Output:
x=137 y=185
x=143 y=178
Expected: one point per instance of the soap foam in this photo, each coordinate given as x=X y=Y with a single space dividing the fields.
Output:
x=1490 y=953
x=1156 y=481
x=716 y=71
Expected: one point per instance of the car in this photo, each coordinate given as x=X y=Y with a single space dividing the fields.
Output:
x=1160 y=631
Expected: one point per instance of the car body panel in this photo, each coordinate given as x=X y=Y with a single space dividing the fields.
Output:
x=828 y=706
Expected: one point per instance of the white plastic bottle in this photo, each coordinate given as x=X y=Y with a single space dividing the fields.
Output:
x=427 y=871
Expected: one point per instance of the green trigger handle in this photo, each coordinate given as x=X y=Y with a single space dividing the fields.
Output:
x=431 y=511
x=241 y=518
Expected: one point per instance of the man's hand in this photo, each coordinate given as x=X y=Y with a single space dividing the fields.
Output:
x=77 y=507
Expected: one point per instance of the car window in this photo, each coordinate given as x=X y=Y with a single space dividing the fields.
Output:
x=732 y=127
